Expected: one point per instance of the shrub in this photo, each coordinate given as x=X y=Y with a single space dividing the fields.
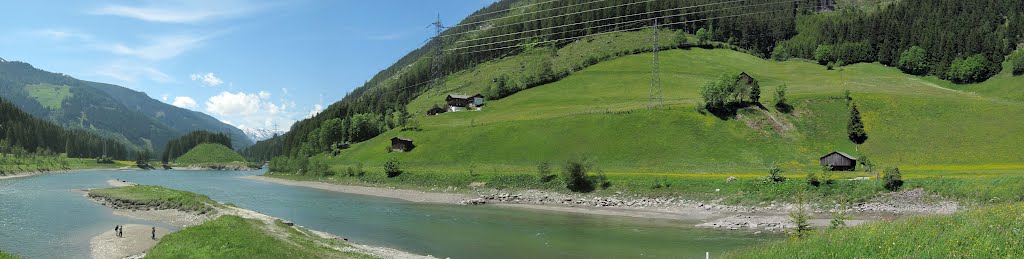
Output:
x=318 y=167
x=800 y=218
x=661 y=183
x=544 y=172
x=969 y=70
x=703 y=36
x=830 y=65
x=812 y=179
x=575 y=174
x=1017 y=61
x=914 y=61
x=392 y=167
x=893 y=179
x=826 y=175
x=823 y=54
x=780 y=99
x=775 y=174
x=472 y=170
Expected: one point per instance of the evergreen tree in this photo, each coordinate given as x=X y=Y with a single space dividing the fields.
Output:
x=855 y=128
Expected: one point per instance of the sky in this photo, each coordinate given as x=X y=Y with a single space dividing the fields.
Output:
x=254 y=64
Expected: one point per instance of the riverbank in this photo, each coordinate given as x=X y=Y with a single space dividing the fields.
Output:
x=184 y=215
x=770 y=217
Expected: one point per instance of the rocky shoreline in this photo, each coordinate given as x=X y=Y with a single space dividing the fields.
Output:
x=771 y=217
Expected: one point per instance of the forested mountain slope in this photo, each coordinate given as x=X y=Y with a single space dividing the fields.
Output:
x=21 y=133
x=106 y=109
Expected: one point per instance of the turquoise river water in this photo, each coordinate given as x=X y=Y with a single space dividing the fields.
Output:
x=44 y=217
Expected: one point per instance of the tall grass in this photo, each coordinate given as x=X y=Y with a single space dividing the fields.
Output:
x=990 y=232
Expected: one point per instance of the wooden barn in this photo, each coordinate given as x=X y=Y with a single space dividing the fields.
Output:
x=458 y=102
x=745 y=79
x=435 y=111
x=839 y=161
x=401 y=144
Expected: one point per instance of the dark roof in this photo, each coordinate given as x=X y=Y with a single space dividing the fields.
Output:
x=464 y=96
x=841 y=154
x=402 y=139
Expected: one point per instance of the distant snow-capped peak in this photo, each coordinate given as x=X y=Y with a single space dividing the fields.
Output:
x=257 y=134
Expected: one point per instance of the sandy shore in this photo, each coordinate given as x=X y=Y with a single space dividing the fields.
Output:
x=135 y=240
x=770 y=217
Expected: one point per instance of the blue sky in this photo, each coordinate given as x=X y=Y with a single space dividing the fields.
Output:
x=250 y=63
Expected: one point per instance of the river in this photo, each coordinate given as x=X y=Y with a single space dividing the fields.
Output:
x=45 y=217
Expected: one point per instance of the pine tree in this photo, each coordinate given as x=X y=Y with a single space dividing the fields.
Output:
x=856 y=126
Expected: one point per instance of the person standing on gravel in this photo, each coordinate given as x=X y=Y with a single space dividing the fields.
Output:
x=154 y=233
x=116 y=227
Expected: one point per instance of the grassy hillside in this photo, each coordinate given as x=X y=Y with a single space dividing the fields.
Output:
x=993 y=232
x=235 y=237
x=50 y=96
x=601 y=111
x=209 y=154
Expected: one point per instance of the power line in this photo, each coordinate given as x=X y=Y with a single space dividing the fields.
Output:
x=611 y=24
x=438 y=57
x=612 y=31
x=545 y=18
x=507 y=10
x=656 y=93
x=598 y=20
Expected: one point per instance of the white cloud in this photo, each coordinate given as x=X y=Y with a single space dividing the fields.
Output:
x=316 y=110
x=130 y=73
x=62 y=34
x=208 y=79
x=230 y=104
x=160 y=47
x=164 y=97
x=181 y=11
x=255 y=110
x=185 y=102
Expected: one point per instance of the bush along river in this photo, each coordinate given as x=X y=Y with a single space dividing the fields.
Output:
x=47 y=217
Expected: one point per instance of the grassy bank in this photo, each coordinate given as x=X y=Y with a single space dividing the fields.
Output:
x=31 y=163
x=6 y=255
x=235 y=237
x=991 y=232
x=149 y=196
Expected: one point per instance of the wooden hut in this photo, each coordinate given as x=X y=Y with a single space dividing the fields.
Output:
x=839 y=161
x=435 y=111
x=745 y=79
x=401 y=144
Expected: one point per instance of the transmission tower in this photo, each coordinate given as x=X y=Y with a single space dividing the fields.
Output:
x=437 y=60
x=656 y=93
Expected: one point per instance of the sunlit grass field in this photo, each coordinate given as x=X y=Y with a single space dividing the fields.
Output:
x=205 y=154
x=156 y=196
x=235 y=237
x=602 y=112
x=990 y=232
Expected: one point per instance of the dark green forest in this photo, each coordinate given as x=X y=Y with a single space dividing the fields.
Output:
x=22 y=133
x=817 y=30
x=179 y=146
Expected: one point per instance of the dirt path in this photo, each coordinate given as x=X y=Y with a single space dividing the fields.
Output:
x=135 y=240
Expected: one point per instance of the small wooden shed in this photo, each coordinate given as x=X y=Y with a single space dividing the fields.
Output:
x=401 y=144
x=435 y=111
x=839 y=161
x=745 y=79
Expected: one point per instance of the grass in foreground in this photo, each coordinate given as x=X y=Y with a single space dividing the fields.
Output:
x=157 y=197
x=991 y=232
x=207 y=154
x=235 y=237
x=6 y=255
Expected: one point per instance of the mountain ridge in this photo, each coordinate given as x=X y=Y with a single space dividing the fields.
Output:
x=107 y=109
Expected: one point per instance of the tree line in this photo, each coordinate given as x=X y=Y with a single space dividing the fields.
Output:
x=961 y=41
x=23 y=134
x=179 y=146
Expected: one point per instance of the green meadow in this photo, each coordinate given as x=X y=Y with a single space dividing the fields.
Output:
x=236 y=237
x=989 y=232
x=602 y=111
x=945 y=139
x=50 y=96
